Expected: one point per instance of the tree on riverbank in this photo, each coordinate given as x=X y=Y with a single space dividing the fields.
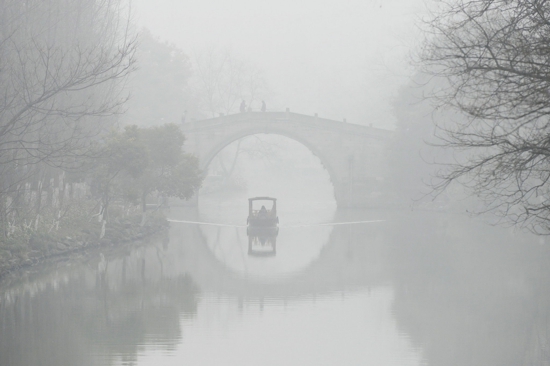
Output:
x=62 y=67
x=140 y=161
x=495 y=58
x=124 y=160
x=65 y=169
x=170 y=172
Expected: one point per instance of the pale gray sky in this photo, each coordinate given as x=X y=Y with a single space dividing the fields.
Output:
x=341 y=59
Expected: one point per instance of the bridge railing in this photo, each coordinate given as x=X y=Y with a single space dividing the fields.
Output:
x=286 y=117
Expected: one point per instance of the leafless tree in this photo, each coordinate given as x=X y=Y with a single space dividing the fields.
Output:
x=61 y=67
x=495 y=57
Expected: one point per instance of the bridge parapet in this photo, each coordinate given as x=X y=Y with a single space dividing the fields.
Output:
x=287 y=117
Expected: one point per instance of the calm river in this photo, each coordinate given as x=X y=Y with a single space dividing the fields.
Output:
x=415 y=288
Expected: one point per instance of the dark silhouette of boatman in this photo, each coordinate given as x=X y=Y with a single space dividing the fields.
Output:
x=264 y=108
x=263 y=212
x=243 y=107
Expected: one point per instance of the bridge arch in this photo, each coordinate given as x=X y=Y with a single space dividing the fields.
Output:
x=215 y=150
x=353 y=155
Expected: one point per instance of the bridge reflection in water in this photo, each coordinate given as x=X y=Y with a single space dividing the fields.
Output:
x=309 y=261
x=416 y=289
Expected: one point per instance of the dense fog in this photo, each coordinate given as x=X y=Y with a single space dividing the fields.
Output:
x=243 y=182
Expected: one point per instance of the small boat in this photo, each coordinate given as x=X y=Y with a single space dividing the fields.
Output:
x=262 y=217
x=263 y=226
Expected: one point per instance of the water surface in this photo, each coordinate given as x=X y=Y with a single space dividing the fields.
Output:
x=419 y=288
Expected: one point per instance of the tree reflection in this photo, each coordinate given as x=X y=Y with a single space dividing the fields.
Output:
x=82 y=321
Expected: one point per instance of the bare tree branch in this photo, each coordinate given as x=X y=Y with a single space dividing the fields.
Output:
x=495 y=57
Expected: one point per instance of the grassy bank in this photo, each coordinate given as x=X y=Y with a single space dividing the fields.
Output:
x=49 y=237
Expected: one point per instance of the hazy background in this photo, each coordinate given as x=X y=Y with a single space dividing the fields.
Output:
x=408 y=280
x=341 y=59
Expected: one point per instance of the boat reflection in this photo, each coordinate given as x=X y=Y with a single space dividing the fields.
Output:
x=262 y=241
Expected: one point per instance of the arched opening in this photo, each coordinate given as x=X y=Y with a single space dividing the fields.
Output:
x=267 y=165
x=275 y=166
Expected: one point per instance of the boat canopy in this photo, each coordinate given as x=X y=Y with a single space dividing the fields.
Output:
x=253 y=212
x=262 y=199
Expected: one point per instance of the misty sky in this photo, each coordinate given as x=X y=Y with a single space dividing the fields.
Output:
x=341 y=59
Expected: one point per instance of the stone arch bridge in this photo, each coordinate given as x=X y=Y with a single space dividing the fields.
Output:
x=354 y=155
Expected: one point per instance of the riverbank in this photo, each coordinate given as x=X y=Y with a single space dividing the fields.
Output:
x=34 y=248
